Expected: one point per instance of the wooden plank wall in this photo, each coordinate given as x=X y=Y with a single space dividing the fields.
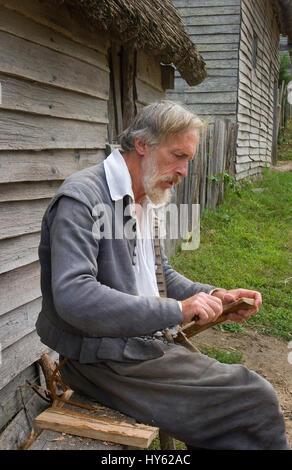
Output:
x=205 y=182
x=148 y=80
x=53 y=119
x=256 y=87
x=214 y=26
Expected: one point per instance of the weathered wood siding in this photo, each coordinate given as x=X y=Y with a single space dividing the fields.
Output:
x=256 y=116
x=148 y=80
x=54 y=78
x=214 y=26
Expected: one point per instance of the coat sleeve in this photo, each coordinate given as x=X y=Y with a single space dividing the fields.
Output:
x=178 y=286
x=80 y=299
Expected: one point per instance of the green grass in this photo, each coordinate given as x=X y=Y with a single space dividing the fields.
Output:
x=285 y=143
x=227 y=356
x=247 y=242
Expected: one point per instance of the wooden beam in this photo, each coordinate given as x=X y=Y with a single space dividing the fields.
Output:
x=128 y=82
x=101 y=428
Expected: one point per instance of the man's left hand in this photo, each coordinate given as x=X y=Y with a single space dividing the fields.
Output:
x=228 y=296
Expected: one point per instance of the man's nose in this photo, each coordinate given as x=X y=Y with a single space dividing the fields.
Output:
x=182 y=169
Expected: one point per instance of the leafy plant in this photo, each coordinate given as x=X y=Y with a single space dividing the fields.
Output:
x=285 y=68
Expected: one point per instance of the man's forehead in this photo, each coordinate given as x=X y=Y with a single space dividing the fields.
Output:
x=182 y=142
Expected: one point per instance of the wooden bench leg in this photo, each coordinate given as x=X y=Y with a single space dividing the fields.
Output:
x=166 y=441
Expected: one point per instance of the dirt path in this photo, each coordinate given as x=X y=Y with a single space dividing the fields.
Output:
x=266 y=355
x=282 y=165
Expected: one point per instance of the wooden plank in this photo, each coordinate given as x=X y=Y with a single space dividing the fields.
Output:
x=87 y=425
x=18 y=323
x=214 y=97
x=18 y=251
x=128 y=80
x=149 y=70
x=204 y=151
x=223 y=72
x=206 y=3
x=192 y=328
x=146 y=94
x=19 y=356
x=19 y=218
x=185 y=12
x=208 y=20
x=45 y=165
x=53 y=440
x=209 y=85
x=43 y=65
x=28 y=191
x=18 y=431
x=213 y=29
x=61 y=20
x=222 y=55
x=221 y=64
x=22 y=131
x=115 y=58
x=19 y=287
x=213 y=109
x=23 y=27
x=201 y=38
x=10 y=395
x=31 y=97
x=218 y=47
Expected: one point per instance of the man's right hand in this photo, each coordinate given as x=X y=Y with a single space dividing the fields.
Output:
x=206 y=307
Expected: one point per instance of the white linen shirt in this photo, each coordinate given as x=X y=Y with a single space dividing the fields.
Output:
x=120 y=184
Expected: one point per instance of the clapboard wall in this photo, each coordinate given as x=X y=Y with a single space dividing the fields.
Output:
x=239 y=41
x=61 y=104
x=53 y=121
x=214 y=26
x=258 y=83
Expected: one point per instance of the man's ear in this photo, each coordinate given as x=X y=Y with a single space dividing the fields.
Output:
x=140 y=147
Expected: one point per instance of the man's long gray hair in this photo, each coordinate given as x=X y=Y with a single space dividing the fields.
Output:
x=156 y=122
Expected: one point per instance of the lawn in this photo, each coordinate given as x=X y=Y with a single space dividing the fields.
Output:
x=247 y=242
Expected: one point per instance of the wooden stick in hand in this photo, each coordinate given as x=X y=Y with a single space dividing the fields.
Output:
x=192 y=328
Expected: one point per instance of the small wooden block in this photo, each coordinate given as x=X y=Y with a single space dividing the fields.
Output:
x=101 y=428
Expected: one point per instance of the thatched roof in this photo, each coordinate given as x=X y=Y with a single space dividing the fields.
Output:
x=154 y=25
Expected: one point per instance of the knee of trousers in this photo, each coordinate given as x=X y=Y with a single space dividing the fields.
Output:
x=265 y=394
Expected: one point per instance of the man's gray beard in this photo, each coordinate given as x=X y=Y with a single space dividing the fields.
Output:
x=157 y=195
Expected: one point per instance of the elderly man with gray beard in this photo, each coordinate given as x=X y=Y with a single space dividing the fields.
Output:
x=102 y=310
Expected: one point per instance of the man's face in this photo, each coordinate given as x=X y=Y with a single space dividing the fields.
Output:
x=165 y=165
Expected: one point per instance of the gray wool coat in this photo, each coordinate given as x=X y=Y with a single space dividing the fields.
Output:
x=91 y=310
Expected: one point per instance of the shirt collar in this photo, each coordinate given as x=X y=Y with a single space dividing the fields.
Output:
x=118 y=176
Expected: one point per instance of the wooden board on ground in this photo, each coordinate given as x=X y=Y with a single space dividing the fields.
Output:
x=70 y=427
x=100 y=428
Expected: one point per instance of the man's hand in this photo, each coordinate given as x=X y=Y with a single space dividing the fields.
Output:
x=227 y=296
x=207 y=307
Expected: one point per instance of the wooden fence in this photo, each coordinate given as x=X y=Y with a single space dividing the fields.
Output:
x=209 y=171
x=284 y=108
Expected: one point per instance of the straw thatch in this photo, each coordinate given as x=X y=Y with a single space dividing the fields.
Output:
x=152 y=25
